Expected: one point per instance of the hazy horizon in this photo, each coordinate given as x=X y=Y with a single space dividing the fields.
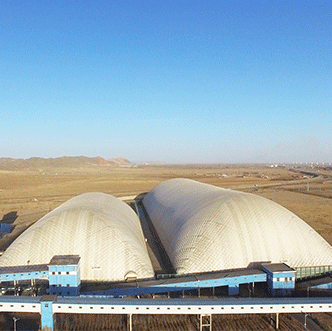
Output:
x=156 y=162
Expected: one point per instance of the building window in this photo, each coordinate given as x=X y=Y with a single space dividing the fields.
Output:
x=278 y=279
x=67 y=273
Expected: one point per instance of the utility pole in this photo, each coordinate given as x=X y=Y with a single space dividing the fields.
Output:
x=15 y=320
x=305 y=320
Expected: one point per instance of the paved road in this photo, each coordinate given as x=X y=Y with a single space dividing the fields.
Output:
x=275 y=184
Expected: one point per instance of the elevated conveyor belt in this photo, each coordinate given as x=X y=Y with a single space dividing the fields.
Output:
x=232 y=279
x=167 y=306
x=27 y=272
x=47 y=306
x=154 y=241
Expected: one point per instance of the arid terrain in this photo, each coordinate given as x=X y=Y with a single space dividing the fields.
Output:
x=29 y=192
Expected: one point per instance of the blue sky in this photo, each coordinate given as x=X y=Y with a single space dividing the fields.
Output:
x=171 y=81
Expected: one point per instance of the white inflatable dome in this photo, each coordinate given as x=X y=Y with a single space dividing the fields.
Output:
x=104 y=231
x=205 y=228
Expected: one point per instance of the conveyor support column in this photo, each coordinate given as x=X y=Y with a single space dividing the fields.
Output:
x=46 y=311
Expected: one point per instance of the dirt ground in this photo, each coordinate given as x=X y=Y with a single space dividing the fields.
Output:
x=25 y=196
x=174 y=322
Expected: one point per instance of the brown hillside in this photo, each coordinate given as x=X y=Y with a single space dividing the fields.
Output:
x=37 y=163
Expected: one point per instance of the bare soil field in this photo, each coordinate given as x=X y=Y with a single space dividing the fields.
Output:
x=26 y=321
x=25 y=196
x=68 y=322
x=323 y=320
x=83 y=322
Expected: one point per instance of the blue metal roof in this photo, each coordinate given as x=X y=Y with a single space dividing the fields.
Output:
x=19 y=299
x=23 y=269
x=193 y=302
x=170 y=302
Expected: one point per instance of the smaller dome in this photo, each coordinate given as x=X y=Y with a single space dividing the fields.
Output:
x=104 y=231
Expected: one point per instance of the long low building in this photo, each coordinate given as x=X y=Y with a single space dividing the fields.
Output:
x=48 y=306
x=104 y=231
x=205 y=228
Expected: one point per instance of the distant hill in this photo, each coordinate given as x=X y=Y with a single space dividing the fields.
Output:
x=36 y=163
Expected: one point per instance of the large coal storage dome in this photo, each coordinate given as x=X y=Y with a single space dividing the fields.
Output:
x=104 y=231
x=205 y=228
